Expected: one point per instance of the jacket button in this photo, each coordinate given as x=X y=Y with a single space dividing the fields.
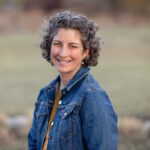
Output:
x=60 y=102
x=52 y=123
x=65 y=114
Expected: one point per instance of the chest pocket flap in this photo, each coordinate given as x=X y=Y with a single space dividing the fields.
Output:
x=68 y=110
x=41 y=109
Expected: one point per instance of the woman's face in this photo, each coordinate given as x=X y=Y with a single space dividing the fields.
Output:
x=67 y=51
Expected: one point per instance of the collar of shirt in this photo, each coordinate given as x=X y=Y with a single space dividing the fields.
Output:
x=81 y=73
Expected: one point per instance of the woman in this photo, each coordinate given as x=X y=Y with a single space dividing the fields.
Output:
x=72 y=112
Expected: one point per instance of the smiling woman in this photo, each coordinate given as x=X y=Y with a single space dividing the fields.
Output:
x=72 y=112
x=67 y=53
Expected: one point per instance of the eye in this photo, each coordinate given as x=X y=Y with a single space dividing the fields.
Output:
x=72 y=46
x=57 y=44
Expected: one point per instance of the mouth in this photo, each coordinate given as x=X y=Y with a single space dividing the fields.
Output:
x=63 y=61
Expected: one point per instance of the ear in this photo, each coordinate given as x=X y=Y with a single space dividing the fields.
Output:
x=85 y=53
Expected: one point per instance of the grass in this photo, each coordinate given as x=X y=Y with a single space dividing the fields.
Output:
x=123 y=71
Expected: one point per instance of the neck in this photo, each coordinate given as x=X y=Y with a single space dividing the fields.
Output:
x=64 y=80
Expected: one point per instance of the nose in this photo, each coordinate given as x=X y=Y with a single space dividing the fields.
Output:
x=63 y=51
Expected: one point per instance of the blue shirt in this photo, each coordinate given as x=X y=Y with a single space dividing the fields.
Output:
x=85 y=119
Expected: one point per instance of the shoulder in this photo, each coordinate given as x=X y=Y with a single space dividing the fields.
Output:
x=95 y=97
x=96 y=105
x=94 y=89
x=46 y=88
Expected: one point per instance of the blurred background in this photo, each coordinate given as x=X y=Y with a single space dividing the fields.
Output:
x=123 y=70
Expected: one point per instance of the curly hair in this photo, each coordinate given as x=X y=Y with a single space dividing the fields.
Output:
x=68 y=20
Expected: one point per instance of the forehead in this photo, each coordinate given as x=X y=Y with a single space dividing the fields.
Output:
x=68 y=35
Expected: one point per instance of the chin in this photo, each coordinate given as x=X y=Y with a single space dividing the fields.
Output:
x=63 y=70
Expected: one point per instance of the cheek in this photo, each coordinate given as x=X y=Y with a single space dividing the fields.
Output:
x=77 y=55
x=53 y=52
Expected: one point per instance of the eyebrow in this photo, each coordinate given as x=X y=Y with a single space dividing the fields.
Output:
x=74 y=43
x=69 y=43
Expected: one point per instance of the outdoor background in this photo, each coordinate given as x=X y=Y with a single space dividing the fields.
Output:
x=123 y=69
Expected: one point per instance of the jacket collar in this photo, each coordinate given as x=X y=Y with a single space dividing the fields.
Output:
x=81 y=73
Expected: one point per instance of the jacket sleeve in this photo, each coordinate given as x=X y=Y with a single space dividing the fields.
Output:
x=32 y=137
x=99 y=122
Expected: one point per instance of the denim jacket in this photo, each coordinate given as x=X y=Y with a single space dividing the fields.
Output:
x=85 y=119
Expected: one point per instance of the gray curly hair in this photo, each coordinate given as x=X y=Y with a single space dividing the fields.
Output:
x=87 y=29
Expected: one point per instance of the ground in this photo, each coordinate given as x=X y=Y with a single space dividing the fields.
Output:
x=123 y=71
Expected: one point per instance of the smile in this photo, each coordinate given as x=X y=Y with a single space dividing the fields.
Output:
x=64 y=61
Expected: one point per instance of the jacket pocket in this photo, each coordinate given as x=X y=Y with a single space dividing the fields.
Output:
x=41 y=109
x=69 y=122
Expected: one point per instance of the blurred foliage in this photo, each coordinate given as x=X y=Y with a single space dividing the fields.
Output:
x=141 y=6
x=3 y=2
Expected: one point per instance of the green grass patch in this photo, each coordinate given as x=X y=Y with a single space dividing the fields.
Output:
x=123 y=70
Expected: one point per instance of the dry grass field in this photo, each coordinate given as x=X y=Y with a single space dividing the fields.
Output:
x=123 y=71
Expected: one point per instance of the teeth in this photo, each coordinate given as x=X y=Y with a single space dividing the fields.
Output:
x=64 y=61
